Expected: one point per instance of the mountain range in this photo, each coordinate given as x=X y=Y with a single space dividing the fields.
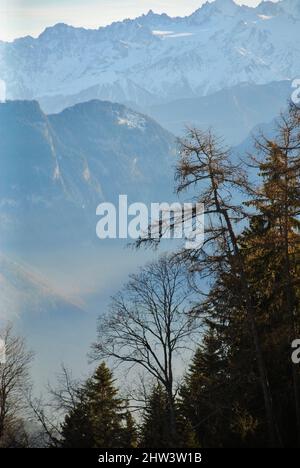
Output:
x=155 y=58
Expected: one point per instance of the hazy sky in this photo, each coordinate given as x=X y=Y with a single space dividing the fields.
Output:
x=22 y=17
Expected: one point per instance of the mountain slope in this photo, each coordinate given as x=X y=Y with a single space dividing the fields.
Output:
x=55 y=170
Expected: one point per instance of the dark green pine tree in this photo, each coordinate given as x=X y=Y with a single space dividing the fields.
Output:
x=106 y=408
x=101 y=418
x=130 y=433
x=77 y=429
x=155 y=426
x=201 y=395
x=155 y=429
x=272 y=247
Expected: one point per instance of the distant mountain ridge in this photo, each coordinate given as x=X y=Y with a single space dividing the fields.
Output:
x=231 y=112
x=156 y=58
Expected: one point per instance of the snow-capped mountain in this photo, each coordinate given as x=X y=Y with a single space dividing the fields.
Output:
x=156 y=58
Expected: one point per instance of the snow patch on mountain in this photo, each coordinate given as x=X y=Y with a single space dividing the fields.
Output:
x=265 y=17
x=132 y=120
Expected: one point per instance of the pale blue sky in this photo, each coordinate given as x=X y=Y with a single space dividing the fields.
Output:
x=22 y=17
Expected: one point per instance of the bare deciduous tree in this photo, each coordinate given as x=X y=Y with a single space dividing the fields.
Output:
x=147 y=325
x=50 y=413
x=14 y=380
